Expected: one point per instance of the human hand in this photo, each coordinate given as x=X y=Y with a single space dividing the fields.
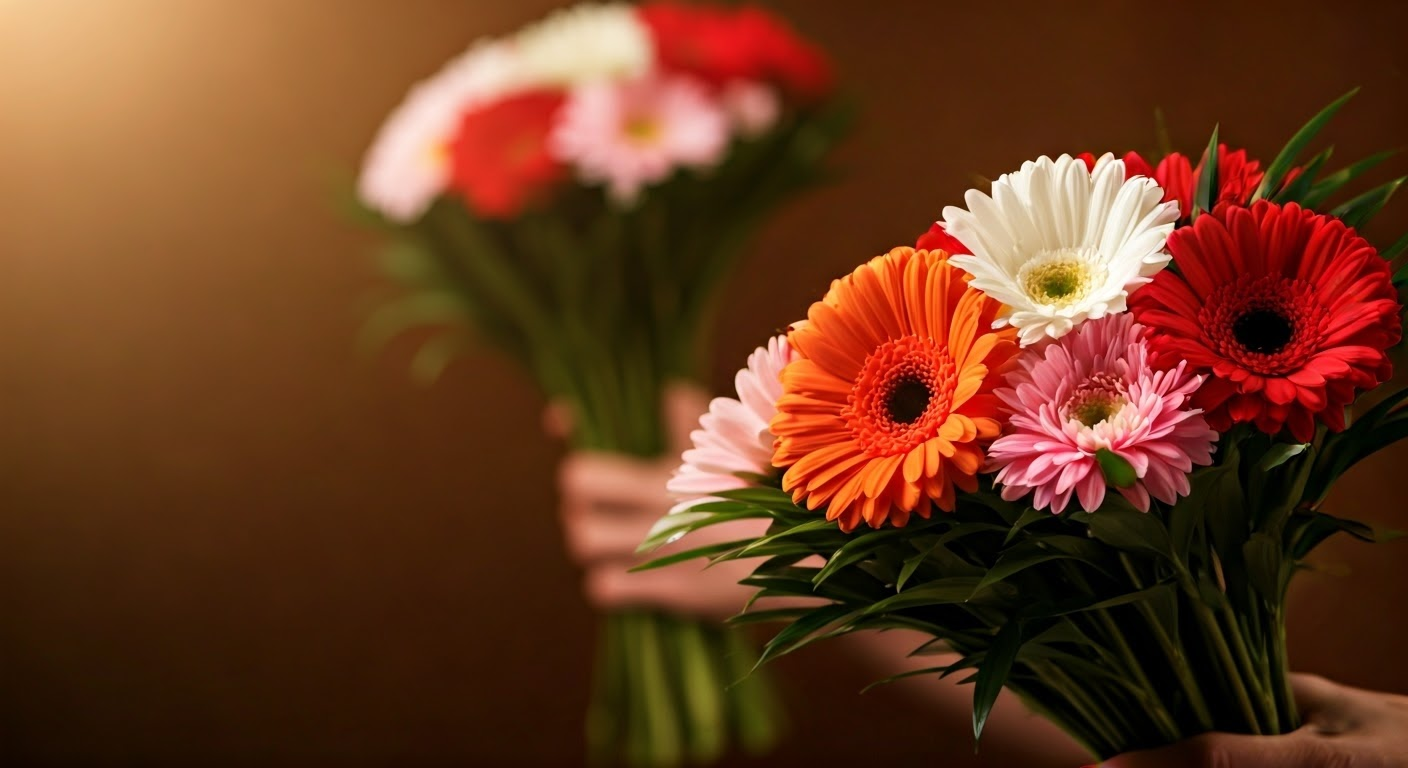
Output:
x=609 y=502
x=1343 y=727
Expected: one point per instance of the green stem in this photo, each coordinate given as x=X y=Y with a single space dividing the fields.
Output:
x=1178 y=661
x=1154 y=701
x=1109 y=739
x=1266 y=709
x=1212 y=634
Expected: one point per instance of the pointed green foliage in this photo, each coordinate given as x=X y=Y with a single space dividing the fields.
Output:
x=1323 y=189
x=1359 y=211
x=1206 y=194
x=1399 y=247
x=1015 y=562
x=1279 y=454
x=1276 y=172
x=803 y=631
x=944 y=591
x=1028 y=517
x=1296 y=190
x=1117 y=471
x=1122 y=526
x=993 y=673
x=858 y=549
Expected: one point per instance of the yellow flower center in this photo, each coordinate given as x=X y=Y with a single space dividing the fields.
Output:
x=1096 y=400
x=641 y=129
x=1061 y=278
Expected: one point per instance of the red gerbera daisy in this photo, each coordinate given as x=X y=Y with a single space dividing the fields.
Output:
x=1237 y=178
x=500 y=158
x=1134 y=165
x=1288 y=310
x=938 y=239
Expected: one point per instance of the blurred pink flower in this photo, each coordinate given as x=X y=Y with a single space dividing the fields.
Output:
x=631 y=134
x=408 y=164
x=733 y=438
x=753 y=106
x=1094 y=389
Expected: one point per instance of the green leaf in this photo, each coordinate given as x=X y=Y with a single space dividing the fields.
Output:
x=1148 y=593
x=1300 y=186
x=1331 y=184
x=993 y=673
x=1399 y=247
x=800 y=632
x=811 y=526
x=707 y=551
x=936 y=671
x=944 y=591
x=1286 y=160
x=1124 y=527
x=767 y=498
x=1028 y=517
x=1117 y=471
x=1357 y=212
x=671 y=527
x=858 y=549
x=1014 y=562
x=434 y=356
x=1206 y=194
x=1279 y=454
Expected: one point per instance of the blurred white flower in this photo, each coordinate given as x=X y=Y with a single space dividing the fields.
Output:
x=584 y=43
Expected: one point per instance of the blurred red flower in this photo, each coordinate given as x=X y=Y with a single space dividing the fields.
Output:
x=721 y=45
x=500 y=159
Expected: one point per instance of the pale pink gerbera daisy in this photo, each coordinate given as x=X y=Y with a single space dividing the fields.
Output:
x=638 y=132
x=733 y=441
x=408 y=165
x=1094 y=390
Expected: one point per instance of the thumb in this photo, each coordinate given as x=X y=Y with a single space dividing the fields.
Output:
x=1224 y=750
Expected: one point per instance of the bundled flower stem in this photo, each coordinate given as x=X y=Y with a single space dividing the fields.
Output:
x=1105 y=520
x=573 y=196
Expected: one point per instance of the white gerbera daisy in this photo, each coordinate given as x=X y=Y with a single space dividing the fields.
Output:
x=1059 y=243
x=408 y=164
x=734 y=440
x=584 y=43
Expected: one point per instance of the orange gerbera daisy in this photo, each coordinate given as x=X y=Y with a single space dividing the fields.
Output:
x=882 y=413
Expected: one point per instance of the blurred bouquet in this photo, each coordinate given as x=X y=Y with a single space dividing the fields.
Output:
x=1081 y=436
x=573 y=195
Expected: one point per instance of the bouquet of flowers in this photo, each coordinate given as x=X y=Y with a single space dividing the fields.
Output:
x=1080 y=436
x=572 y=195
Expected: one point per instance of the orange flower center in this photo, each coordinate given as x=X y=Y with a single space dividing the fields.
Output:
x=902 y=396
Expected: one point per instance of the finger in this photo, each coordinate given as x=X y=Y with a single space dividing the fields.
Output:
x=595 y=535
x=612 y=480
x=682 y=405
x=1314 y=694
x=1225 y=750
x=557 y=419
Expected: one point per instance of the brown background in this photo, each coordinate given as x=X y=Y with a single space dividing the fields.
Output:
x=225 y=538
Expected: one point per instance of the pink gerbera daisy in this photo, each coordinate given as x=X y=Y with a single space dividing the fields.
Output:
x=1094 y=390
x=631 y=134
x=733 y=442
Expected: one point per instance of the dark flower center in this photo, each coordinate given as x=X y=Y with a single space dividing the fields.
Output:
x=908 y=399
x=1264 y=331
